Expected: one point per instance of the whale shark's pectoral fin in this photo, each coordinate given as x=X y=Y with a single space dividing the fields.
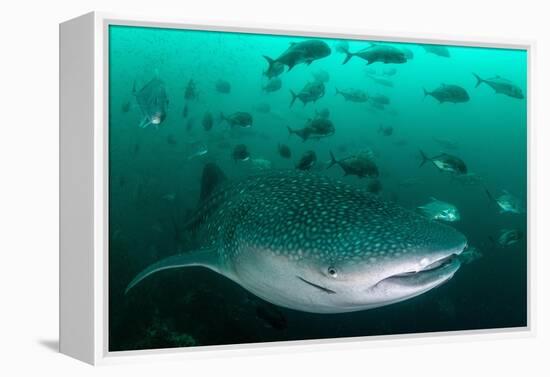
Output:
x=203 y=257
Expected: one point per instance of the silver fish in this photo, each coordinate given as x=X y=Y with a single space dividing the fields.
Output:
x=501 y=85
x=448 y=93
x=309 y=243
x=507 y=202
x=301 y=52
x=438 y=210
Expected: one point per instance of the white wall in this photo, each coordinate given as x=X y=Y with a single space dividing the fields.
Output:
x=29 y=186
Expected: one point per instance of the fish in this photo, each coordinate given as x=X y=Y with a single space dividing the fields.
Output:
x=468 y=179
x=379 y=100
x=171 y=139
x=273 y=85
x=378 y=53
x=260 y=163
x=284 y=151
x=126 y=106
x=314 y=129
x=374 y=186
x=508 y=237
x=321 y=76
x=305 y=52
x=353 y=95
x=360 y=165
x=471 y=254
x=223 y=86
x=240 y=153
x=438 y=50
x=191 y=92
x=439 y=210
x=323 y=113
x=445 y=162
x=195 y=149
x=380 y=81
x=311 y=92
x=385 y=130
x=274 y=68
x=239 y=118
x=448 y=93
x=307 y=161
x=152 y=101
x=263 y=107
x=501 y=85
x=207 y=121
x=446 y=143
x=507 y=203
x=306 y=242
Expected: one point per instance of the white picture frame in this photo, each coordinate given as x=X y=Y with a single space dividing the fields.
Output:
x=84 y=188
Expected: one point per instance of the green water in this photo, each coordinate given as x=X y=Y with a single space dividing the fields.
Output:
x=155 y=184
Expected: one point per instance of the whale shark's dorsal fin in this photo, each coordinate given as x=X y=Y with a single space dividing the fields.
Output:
x=202 y=257
x=212 y=177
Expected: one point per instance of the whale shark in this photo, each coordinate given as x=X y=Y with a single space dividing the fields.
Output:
x=310 y=243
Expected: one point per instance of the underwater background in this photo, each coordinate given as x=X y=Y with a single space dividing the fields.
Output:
x=155 y=177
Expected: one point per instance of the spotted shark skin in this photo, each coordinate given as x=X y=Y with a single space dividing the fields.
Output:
x=314 y=244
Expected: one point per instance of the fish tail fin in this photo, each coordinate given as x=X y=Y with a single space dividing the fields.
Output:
x=426 y=93
x=338 y=91
x=424 y=158
x=479 y=79
x=489 y=195
x=270 y=62
x=349 y=55
x=290 y=130
x=333 y=160
x=294 y=96
x=201 y=257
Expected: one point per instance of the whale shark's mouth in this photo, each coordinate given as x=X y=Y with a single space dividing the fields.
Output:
x=442 y=269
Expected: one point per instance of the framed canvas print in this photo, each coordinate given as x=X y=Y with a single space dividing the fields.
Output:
x=229 y=187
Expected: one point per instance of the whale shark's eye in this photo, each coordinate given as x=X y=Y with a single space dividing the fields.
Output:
x=332 y=272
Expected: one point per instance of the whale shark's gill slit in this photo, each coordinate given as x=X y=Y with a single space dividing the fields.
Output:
x=326 y=290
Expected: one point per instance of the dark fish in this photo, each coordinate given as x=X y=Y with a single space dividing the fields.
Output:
x=207 y=121
x=353 y=95
x=311 y=92
x=378 y=53
x=323 y=113
x=380 y=81
x=379 y=100
x=501 y=85
x=240 y=153
x=445 y=162
x=385 y=130
x=274 y=68
x=437 y=50
x=223 y=86
x=321 y=75
x=449 y=93
x=152 y=101
x=307 y=161
x=508 y=237
x=360 y=165
x=273 y=85
x=271 y=315
x=314 y=129
x=301 y=52
x=191 y=90
x=126 y=106
x=374 y=186
x=171 y=140
x=239 y=118
x=284 y=151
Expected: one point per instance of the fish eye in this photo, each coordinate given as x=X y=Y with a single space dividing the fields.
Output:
x=332 y=272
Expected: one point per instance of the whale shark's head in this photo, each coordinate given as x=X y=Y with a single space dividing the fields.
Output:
x=325 y=247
